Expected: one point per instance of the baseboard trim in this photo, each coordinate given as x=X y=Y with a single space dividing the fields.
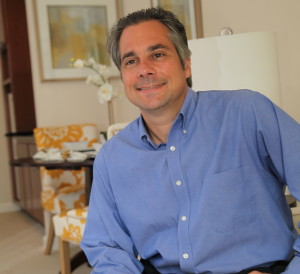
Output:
x=9 y=207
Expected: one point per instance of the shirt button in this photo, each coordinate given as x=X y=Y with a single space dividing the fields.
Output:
x=183 y=218
x=184 y=131
x=185 y=256
x=172 y=148
x=178 y=183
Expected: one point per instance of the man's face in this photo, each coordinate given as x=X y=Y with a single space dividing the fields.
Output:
x=152 y=74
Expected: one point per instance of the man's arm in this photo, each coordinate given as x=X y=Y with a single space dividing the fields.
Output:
x=106 y=243
x=281 y=136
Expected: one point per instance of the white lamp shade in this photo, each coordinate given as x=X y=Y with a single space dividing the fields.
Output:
x=238 y=61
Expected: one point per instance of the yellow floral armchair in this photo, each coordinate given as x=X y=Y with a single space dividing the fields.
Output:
x=62 y=190
x=69 y=226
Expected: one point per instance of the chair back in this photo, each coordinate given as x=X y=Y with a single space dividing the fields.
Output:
x=63 y=189
x=115 y=128
x=54 y=137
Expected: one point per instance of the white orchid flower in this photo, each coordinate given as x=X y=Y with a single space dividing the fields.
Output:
x=101 y=74
x=102 y=69
x=105 y=93
x=95 y=80
x=91 y=62
x=78 y=63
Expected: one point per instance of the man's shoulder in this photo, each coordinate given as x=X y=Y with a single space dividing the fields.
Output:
x=127 y=135
x=130 y=129
x=216 y=103
x=226 y=98
x=240 y=94
x=121 y=147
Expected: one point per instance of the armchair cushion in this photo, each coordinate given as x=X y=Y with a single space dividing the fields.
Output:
x=70 y=225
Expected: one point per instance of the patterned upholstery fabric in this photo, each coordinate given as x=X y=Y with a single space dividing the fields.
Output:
x=63 y=189
x=70 y=225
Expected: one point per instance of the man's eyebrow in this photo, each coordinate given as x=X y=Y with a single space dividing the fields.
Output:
x=150 y=48
x=128 y=54
x=157 y=46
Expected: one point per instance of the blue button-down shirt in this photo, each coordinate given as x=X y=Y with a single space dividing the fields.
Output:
x=210 y=200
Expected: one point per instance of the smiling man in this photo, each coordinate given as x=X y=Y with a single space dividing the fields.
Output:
x=196 y=183
x=153 y=77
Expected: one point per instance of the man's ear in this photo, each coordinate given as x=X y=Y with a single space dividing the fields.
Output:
x=187 y=66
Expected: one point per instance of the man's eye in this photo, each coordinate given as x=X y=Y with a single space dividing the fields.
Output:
x=130 y=62
x=158 y=55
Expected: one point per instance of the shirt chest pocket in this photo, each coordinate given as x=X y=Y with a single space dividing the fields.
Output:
x=232 y=204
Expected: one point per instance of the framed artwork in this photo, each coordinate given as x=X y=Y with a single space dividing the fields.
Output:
x=73 y=29
x=188 y=12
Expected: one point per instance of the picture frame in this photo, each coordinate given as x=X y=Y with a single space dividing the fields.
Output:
x=188 y=12
x=73 y=29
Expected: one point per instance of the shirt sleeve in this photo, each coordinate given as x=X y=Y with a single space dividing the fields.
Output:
x=281 y=138
x=293 y=267
x=106 y=242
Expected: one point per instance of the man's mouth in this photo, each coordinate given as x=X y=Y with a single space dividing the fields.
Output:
x=143 y=88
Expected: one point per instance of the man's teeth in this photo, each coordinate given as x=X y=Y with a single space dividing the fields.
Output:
x=146 y=88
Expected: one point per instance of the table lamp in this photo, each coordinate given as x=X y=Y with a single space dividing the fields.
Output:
x=237 y=61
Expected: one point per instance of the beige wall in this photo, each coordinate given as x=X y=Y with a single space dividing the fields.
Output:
x=281 y=17
x=64 y=102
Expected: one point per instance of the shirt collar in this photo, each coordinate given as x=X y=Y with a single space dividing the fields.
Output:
x=188 y=108
x=186 y=112
x=142 y=127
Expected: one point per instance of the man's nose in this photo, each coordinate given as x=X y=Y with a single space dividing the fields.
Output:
x=146 y=68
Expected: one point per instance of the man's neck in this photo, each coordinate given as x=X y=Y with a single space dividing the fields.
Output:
x=158 y=127
x=160 y=120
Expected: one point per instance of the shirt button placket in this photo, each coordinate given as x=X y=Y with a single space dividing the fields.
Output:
x=180 y=187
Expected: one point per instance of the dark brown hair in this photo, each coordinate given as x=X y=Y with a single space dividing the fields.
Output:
x=176 y=29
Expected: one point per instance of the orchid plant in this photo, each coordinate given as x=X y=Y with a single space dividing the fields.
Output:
x=106 y=92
